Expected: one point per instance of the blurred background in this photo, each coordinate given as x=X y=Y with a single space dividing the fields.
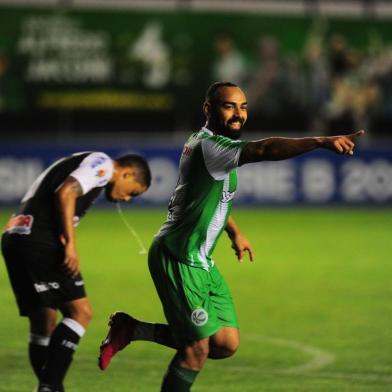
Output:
x=130 y=76
x=124 y=76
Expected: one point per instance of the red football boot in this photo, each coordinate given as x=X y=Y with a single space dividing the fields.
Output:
x=119 y=336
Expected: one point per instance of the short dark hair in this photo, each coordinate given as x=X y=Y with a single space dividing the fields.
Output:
x=143 y=173
x=211 y=91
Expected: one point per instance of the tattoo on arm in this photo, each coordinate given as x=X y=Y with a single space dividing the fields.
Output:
x=75 y=187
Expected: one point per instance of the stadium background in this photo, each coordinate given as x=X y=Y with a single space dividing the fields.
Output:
x=127 y=75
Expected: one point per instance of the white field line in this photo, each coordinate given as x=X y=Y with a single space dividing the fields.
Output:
x=318 y=360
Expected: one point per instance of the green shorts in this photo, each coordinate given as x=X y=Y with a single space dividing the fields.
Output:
x=197 y=303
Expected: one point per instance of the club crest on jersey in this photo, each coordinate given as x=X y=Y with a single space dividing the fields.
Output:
x=19 y=224
x=227 y=196
x=199 y=317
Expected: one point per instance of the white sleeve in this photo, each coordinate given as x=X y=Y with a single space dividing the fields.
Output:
x=221 y=155
x=94 y=171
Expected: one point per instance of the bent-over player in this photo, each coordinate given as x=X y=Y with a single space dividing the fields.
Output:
x=39 y=249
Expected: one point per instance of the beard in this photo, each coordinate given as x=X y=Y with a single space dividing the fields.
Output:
x=108 y=192
x=224 y=128
x=231 y=133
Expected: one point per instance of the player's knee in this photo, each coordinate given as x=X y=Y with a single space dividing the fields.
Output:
x=225 y=350
x=85 y=314
x=47 y=328
x=50 y=326
x=231 y=348
x=42 y=329
x=43 y=322
x=200 y=354
x=82 y=313
x=196 y=355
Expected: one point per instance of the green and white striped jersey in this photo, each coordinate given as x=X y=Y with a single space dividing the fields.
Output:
x=202 y=200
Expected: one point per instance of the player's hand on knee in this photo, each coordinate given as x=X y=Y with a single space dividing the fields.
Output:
x=71 y=260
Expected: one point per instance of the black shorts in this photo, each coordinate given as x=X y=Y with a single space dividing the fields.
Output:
x=37 y=274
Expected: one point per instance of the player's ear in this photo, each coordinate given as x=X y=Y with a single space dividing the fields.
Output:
x=128 y=173
x=207 y=108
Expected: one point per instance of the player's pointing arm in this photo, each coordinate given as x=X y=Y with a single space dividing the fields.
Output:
x=278 y=148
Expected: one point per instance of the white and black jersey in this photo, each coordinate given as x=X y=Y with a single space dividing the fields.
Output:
x=31 y=246
x=39 y=217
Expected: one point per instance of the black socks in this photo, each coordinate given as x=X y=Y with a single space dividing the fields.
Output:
x=38 y=349
x=63 y=344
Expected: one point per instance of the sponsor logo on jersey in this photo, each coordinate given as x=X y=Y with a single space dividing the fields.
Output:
x=46 y=286
x=19 y=224
x=227 y=196
x=79 y=283
x=199 y=317
x=98 y=161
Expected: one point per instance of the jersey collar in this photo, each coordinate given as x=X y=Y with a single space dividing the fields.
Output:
x=205 y=129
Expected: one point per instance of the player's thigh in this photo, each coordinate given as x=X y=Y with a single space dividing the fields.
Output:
x=16 y=257
x=41 y=278
x=54 y=285
x=222 y=300
x=185 y=297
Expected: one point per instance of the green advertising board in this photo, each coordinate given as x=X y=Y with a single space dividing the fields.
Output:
x=68 y=59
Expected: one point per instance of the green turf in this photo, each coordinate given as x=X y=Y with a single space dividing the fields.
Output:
x=315 y=308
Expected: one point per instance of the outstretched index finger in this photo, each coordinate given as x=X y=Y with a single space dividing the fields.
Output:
x=356 y=134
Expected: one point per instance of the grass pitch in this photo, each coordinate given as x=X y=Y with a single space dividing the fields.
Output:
x=315 y=307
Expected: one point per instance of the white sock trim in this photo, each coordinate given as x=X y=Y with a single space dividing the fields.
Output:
x=75 y=326
x=39 y=340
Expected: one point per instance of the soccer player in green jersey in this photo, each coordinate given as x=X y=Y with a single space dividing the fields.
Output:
x=197 y=303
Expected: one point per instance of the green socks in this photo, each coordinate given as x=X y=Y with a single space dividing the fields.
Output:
x=178 y=379
x=158 y=333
